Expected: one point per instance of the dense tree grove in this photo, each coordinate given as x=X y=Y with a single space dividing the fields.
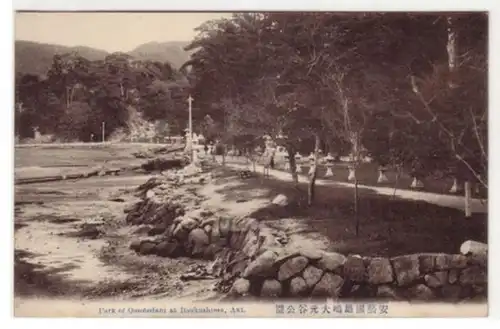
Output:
x=409 y=88
x=77 y=95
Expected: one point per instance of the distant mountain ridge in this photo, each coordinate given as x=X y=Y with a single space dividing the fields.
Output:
x=36 y=58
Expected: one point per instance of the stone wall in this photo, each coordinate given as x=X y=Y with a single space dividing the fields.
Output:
x=254 y=260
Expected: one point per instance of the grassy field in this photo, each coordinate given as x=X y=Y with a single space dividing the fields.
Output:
x=367 y=174
x=387 y=227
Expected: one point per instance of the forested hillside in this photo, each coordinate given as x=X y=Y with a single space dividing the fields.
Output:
x=36 y=58
x=72 y=99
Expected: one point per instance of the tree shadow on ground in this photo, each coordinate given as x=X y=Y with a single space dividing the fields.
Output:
x=388 y=226
x=36 y=280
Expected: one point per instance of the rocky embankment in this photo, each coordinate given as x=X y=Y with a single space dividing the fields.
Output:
x=250 y=259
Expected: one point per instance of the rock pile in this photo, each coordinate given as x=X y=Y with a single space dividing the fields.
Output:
x=251 y=259
x=327 y=274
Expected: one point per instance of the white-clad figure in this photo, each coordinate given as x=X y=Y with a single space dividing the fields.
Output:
x=456 y=187
x=287 y=162
x=382 y=177
x=329 y=164
x=417 y=183
x=298 y=159
x=311 y=163
x=352 y=173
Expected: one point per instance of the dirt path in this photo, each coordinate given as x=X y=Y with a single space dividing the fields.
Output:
x=229 y=195
x=450 y=201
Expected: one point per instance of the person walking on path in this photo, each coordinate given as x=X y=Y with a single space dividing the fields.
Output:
x=271 y=160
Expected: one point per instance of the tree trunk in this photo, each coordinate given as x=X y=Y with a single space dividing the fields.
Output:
x=468 y=199
x=451 y=48
x=398 y=176
x=67 y=97
x=71 y=93
x=312 y=176
x=293 y=166
x=356 y=197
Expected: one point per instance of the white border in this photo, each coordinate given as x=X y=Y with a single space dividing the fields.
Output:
x=261 y=5
x=6 y=86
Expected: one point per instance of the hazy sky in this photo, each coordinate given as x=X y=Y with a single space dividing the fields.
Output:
x=109 y=31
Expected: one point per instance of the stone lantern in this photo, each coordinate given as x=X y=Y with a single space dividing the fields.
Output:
x=329 y=164
x=298 y=159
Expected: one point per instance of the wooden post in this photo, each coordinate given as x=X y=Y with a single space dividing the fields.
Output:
x=468 y=210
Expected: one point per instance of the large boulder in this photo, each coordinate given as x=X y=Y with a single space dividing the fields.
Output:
x=329 y=285
x=292 y=267
x=262 y=266
x=446 y=262
x=271 y=288
x=184 y=227
x=280 y=200
x=437 y=279
x=427 y=262
x=354 y=269
x=298 y=286
x=312 y=275
x=198 y=241
x=406 y=268
x=147 y=248
x=380 y=271
x=311 y=253
x=158 y=229
x=168 y=249
x=240 y=288
x=331 y=261
x=473 y=276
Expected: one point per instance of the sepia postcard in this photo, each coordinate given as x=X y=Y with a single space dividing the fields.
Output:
x=251 y=164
